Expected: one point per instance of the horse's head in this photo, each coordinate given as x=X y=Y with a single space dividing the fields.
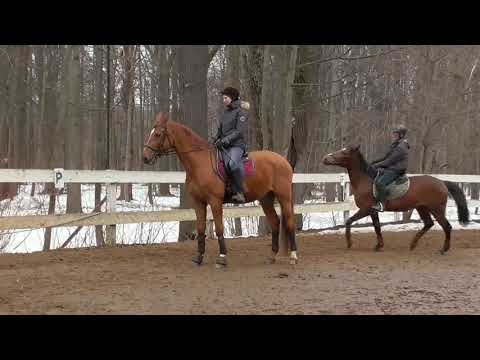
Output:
x=159 y=141
x=342 y=157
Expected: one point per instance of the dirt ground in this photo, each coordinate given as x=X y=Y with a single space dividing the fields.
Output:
x=329 y=279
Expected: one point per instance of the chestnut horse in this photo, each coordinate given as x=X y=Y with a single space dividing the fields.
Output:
x=426 y=194
x=272 y=179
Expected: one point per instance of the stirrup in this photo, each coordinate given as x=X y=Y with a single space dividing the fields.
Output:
x=378 y=207
x=239 y=197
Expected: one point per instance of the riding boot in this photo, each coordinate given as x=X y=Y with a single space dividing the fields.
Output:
x=238 y=185
x=380 y=205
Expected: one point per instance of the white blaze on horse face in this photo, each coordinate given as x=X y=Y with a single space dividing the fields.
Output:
x=151 y=133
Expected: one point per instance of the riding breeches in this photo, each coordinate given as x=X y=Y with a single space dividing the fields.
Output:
x=233 y=159
x=382 y=181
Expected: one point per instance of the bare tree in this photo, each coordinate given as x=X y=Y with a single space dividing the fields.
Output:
x=73 y=143
x=193 y=62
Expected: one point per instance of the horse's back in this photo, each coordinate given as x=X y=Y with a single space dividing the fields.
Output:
x=426 y=179
x=271 y=158
x=429 y=185
x=267 y=155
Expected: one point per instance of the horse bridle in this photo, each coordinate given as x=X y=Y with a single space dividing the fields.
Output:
x=170 y=150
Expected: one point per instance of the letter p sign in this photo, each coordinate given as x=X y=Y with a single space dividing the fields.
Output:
x=59 y=179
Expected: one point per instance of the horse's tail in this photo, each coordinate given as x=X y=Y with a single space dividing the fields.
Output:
x=459 y=197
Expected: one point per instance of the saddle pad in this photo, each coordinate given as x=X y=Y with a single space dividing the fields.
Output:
x=396 y=189
x=248 y=167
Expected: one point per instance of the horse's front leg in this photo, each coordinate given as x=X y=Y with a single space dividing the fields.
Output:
x=217 y=212
x=360 y=214
x=201 y=214
x=378 y=231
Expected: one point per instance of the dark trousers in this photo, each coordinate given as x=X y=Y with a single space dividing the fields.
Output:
x=233 y=159
x=383 y=180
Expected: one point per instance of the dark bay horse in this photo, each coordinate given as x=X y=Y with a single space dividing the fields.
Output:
x=426 y=194
x=272 y=179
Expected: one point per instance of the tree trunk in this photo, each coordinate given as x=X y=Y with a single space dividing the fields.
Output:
x=18 y=127
x=232 y=78
x=163 y=102
x=193 y=62
x=129 y=54
x=48 y=231
x=73 y=143
x=253 y=69
x=7 y=78
x=99 y=132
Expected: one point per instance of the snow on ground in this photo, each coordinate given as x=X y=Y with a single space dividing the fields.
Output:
x=32 y=240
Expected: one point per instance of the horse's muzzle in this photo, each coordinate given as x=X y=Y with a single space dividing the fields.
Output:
x=328 y=160
x=147 y=160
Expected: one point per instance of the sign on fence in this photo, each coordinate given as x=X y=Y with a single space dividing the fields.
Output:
x=59 y=178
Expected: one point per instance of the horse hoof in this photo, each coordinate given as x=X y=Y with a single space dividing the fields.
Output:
x=221 y=262
x=198 y=259
x=443 y=252
x=293 y=261
x=378 y=248
x=271 y=260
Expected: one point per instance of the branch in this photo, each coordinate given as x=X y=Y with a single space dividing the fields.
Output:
x=322 y=61
x=213 y=52
x=349 y=58
x=370 y=56
x=8 y=58
x=96 y=209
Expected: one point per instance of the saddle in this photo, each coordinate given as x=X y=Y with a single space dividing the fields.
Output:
x=396 y=189
x=248 y=168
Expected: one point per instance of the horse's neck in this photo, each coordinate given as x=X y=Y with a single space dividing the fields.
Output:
x=357 y=176
x=191 y=155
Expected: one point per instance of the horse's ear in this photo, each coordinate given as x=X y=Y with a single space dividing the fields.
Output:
x=356 y=147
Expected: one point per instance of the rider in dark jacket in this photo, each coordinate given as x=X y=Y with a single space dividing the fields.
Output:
x=231 y=137
x=393 y=165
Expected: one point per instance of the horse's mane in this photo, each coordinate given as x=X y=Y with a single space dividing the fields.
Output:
x=365 y=166
x=195 y=139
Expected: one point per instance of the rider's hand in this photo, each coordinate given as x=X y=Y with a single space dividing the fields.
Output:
x=225 y=142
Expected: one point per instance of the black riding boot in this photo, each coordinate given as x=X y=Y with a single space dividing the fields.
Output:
x=237 y=179
x=380 y=205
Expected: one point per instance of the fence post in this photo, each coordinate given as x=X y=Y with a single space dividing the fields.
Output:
x=111 y=230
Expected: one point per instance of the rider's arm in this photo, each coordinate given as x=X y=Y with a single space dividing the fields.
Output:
x=398 y=154
x=219 y=133
x=379 y=160
x=240 y=127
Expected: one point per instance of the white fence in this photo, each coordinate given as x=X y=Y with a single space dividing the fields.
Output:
x=113 y=177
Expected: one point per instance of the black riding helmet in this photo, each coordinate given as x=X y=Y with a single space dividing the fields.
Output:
x=401 y=130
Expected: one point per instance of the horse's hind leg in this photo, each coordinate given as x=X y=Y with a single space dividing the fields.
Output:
x=439 y=215
x=267 y=203
x=427 y=224
x=288 y=221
